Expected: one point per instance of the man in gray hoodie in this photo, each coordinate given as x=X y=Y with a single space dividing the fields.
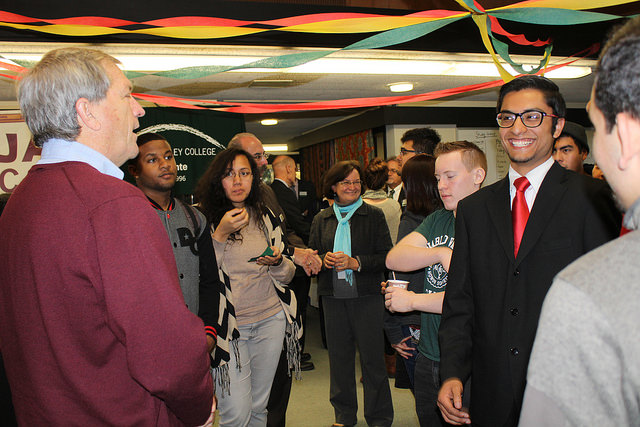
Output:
x=584 y=368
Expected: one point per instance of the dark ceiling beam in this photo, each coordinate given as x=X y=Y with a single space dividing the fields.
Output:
x=461 y=36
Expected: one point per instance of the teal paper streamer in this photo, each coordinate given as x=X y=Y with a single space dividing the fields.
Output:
x=552 y=16
x=384 y=39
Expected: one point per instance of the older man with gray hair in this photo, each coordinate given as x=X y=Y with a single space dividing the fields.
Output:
x=93 y=326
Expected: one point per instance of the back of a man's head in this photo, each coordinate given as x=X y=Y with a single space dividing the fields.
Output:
x=280 y=164
x=617 y=85
x=472 y=156
x=48 y=92
x=424 y=139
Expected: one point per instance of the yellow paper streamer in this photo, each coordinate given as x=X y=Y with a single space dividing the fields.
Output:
x=67 y=30
x=481 y=22
x=199 y=32
x=363 y=25
x=565 y=4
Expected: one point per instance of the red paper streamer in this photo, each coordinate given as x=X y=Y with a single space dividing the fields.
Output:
x=254 y=108
x=516 y=38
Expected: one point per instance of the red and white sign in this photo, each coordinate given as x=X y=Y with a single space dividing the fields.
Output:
x=17 y=152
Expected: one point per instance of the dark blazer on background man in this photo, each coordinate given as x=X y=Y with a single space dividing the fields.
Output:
x=308 y=200
x=402 y=198
x=292 y=209
x=493 y=301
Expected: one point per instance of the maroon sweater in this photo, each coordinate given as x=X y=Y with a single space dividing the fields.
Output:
x=93 y=326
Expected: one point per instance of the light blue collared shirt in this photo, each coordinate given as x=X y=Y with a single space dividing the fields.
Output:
x=59 y=150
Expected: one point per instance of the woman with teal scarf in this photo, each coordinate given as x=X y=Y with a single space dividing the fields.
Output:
x=352 y=238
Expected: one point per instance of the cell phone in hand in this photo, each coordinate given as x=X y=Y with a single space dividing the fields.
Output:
x=267 y=252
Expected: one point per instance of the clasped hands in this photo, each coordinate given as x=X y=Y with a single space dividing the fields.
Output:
x=340 y=261
x=308 y=259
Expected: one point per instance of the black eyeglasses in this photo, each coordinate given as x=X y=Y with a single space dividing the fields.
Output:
x=530 y=118
x=404 y=151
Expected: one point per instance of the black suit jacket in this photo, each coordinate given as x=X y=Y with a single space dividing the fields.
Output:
x=308 y=200
x=493 y=301
x=292 y=210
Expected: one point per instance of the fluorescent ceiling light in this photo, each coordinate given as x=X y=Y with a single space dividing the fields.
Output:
x=400 y=87
x=331 y=65
x=276 y=147
x=268 y=122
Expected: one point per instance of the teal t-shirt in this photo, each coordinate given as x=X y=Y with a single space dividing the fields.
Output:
x=439 y=230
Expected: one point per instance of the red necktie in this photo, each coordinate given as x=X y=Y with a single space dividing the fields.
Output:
x=519 y=212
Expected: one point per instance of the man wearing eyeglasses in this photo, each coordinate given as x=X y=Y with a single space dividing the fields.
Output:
x=417 y=141
x=504 y=258
x=395 y=190
x=252 y=145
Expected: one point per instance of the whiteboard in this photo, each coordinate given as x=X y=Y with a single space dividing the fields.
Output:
x=488 y=139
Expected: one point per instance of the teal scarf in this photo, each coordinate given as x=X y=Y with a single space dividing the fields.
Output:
x=342 y=239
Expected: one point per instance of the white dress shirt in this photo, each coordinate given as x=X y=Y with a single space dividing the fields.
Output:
x=535 y=177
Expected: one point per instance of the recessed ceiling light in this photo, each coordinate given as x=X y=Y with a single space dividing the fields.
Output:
x=400 y=87
x=268 y=122
x=278 y=148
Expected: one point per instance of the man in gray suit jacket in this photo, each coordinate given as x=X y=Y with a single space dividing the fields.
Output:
x=497 y=285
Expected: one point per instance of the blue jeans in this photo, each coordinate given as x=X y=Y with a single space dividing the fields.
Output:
x=260 y=345
x=410 y=363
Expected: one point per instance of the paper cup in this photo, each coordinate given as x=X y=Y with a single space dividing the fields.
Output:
x=398 y=283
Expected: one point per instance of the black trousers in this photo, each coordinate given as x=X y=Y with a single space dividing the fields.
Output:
x=350 y=322
x=281 y=386
x=7 y=414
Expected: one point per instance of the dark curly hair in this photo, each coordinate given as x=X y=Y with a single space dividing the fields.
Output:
x=616 y=88
x=376 y=174
x=420 y=185
x=210 y=193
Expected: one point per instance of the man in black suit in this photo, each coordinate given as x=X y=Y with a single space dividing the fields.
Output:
x=288 y=190
x=286 y=187
x=395 y=189
x=497 y=285
x=289 y=193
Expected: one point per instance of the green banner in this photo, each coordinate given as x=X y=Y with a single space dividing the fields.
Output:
x=196 y=136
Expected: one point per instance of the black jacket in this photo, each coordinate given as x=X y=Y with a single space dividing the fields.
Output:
x=493 y=301
x=370 y=242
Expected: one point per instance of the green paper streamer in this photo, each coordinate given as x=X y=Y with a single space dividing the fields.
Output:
x=552 y=16
x=502 y=49
x=384 y=39
x=401 y=35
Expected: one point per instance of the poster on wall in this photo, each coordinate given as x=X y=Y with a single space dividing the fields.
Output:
x=17 y=152
x=196 y=136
